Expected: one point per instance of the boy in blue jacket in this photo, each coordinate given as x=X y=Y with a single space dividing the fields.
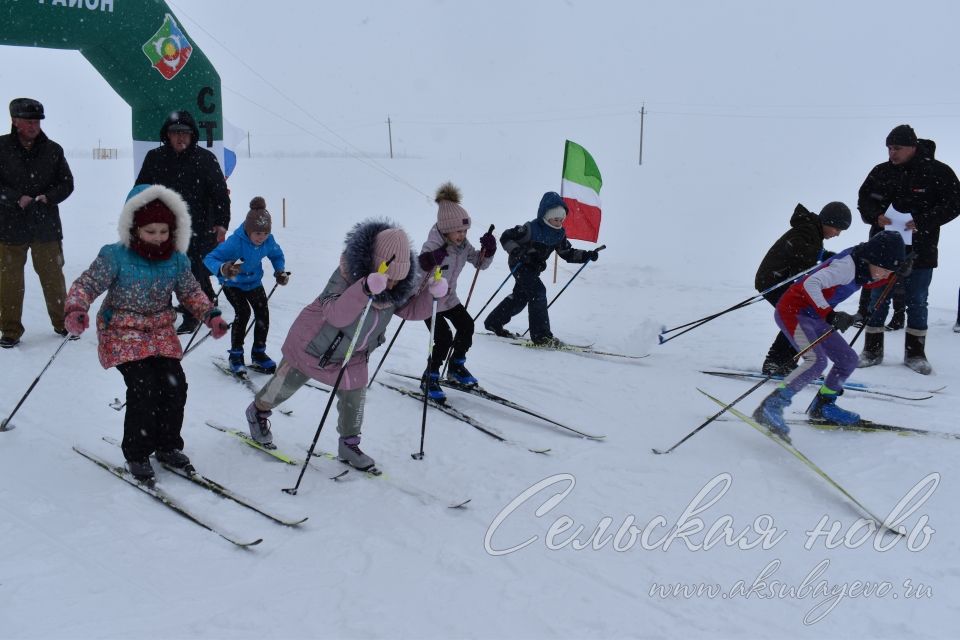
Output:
x=529 y=245
x=237 y=264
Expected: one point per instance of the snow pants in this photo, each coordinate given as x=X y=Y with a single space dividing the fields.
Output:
x=528 y=291
x=443 y=339
x=814 y=361
x=156 y=396
x=242 y=302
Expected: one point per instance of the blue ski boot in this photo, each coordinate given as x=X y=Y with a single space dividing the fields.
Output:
x=260 y=361
x=825 y=410
x=237 y=367
x=430 y=384
x=457 y=372
x=770 y=412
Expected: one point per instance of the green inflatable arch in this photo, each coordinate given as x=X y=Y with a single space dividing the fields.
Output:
x=139 y=47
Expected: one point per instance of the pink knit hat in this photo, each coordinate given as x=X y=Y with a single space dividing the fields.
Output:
x=393 y=243
x=450 y=215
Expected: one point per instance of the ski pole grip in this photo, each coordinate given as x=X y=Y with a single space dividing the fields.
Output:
x=385 y=265
x=601 y=247
x=490 y=230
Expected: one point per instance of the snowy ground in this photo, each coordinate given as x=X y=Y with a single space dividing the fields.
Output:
x=86 y=556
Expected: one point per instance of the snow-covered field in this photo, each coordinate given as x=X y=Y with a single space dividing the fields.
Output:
x=87 y=556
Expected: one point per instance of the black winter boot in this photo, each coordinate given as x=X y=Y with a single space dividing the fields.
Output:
x=913 y=355
x=872 y=353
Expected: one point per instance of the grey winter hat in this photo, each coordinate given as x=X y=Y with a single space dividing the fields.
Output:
x=26 y=108
x=835 y=214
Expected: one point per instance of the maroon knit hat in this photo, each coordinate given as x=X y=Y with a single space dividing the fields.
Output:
x=154 y=211
x=450 y=215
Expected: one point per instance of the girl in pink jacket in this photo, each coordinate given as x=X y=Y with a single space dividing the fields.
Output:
x=320 y=336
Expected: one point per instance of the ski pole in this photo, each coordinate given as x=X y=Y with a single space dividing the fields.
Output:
x=336 y=385
x=512 y=271
x=600 y=248
x=389 y=346
x=433 y=326
x=5 y=425
x=269 y=295
x=743 y=395
x=446 y=358
x=693 y=324
x=883 y=296
x=216 y=297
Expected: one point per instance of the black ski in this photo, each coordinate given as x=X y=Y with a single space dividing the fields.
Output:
x=577 y=348
x=155 y=492
x=849 y=386
x=191 y=474
x=456 y=413
x=480 y=392
x=375 y=473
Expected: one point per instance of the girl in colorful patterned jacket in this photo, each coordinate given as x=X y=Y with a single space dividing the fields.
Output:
x=447 y=247
x=807 y=311
x=237 y=265
x=135 y=323
x=321 y=335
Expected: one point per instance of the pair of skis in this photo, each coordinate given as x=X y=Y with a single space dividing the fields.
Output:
x=152 y=489
x=569 y=348
x=277 y=454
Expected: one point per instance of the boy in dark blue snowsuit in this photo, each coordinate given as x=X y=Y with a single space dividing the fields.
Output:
x=528 y=246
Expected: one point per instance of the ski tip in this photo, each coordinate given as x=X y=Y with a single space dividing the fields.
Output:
x=540 y=451
x=337 y=477
x=661 y=339
x=460 y=505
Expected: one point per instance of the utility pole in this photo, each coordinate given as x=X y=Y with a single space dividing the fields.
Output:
x=390 y=135
x=643 y=111
x=248 y=145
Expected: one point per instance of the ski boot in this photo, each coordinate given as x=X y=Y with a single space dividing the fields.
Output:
x=260 y=361
x=499 y=331
x=549 y=342
x=259 y=424
x=349 y=452
x=235 y=360
x=430 y=385
x=141 y=470
x=457 y=372
x=174 y=458
x=825 y=410
x=770 y=412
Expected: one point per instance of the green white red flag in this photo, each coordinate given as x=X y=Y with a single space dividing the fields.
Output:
x=580 y=190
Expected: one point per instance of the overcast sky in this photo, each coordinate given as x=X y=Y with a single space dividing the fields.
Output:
x=752 y=106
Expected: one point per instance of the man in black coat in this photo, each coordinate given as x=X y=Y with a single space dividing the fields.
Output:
x=194 y=173
x=911 y=182
x=34 y=179
x=794 y=252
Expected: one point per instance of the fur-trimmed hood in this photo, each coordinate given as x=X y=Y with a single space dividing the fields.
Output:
x=357 y=260
x=143 y=194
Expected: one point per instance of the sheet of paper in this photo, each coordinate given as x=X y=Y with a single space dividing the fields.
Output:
x=898 y=223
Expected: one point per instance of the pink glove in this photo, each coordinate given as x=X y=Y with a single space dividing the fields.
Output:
x=76 y=322
x=376 y=283
x=218 y=327
x=439 y=288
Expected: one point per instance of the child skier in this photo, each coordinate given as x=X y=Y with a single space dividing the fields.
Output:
x=447 y=246
x=237 y=265
x=529 y=245
x=135 y=324
x=321 y=334
x=808 y=310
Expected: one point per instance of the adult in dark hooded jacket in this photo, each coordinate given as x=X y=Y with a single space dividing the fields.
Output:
x=911 y=182
x=528 y=246
x=193 y=172
x=794 y=252
x=34 y=179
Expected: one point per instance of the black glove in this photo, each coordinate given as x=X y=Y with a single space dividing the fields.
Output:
x=591 y=256
x=841 y=321
x=488 y=245
x=906 y=268
x=282 y=278
x=430 y=259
